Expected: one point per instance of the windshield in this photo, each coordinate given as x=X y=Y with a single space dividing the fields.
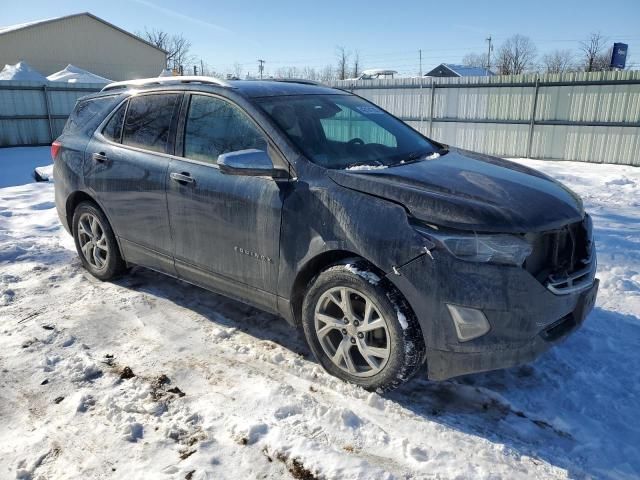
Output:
x=345 y=131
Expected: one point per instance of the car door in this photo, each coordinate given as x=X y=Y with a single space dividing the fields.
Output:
x=126 y=169
x=225 y=228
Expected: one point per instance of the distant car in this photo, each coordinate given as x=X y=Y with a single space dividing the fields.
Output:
x=375 y=74
x=388 y=249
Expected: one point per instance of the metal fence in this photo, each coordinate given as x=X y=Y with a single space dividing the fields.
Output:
x=592 y=117
x=35 y=114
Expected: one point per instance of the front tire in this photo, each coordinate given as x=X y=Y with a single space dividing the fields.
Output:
x=96 y=243
x=360 y=328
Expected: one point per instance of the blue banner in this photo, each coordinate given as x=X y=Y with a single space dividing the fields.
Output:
x=619 y=55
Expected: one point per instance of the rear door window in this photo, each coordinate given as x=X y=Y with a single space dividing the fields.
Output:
x=149 y=120
x=215 y=126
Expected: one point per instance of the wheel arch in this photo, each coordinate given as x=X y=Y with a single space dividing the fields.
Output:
x=312 y=268
x=75 y=199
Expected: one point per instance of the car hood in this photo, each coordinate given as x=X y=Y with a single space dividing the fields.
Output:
x=470 y=191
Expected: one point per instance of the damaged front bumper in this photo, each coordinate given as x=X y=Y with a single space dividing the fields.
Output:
x=525 y=317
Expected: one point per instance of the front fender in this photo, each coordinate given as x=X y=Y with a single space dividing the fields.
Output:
x=323 y=216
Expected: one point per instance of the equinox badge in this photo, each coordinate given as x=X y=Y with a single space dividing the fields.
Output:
x=257 y=256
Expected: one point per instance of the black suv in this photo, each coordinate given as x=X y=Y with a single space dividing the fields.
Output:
x=389 y=249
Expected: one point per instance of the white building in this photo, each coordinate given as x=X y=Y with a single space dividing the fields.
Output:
x=83 y=40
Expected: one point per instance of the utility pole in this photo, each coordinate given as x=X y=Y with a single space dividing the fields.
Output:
x=201 y=67
x=488 y=39
x=195 y=70
x=420 y=53
x=260 y=67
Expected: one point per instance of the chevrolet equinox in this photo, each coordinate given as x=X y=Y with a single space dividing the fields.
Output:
x=390 y=250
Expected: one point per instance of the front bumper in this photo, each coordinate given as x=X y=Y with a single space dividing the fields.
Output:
x=526 y=319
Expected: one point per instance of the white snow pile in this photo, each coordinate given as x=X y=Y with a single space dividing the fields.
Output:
x=73 y=74
x=148 y=377
x=21 y=71
x=43 y=174
x=367 y=167
x=370 y=277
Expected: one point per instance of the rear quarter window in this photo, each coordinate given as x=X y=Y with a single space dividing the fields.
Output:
x=87 y=114
x=113 y=128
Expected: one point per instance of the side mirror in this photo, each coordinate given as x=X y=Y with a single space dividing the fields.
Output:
x=252 y=162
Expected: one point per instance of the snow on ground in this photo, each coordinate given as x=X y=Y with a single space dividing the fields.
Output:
x=220 y=390
x=17 y=164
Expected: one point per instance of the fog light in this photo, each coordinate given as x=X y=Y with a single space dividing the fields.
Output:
x=470 y=323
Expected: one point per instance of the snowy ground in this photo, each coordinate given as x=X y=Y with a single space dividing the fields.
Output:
x=224 y=391
x=17 y=164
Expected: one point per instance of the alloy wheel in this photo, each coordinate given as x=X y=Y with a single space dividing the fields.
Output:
x=352 y=332
x=93 y=241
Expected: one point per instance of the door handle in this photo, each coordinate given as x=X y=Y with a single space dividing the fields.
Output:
x=99 y=157
x=182 y=178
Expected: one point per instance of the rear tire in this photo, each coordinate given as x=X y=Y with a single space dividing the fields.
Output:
x=96 y=243
x=360 y=328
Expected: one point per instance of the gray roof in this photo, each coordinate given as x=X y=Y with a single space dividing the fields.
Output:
x=22 y=26
x=464 y=71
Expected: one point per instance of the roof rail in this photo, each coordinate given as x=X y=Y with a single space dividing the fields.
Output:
x=158 y=81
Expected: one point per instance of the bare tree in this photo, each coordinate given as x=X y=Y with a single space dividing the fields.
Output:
x=237 y=70
x=516 y=55
x=475 y=60
x=558 y=61
x=209 y=71
x=287 y=72
x=603 y=60
x=356 y=64
x=593 y=50
x=176 y=46
x=310 y=73
x=327 y=74
x=343 y=61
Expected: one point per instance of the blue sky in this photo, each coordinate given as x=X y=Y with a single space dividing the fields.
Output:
x=386 y=33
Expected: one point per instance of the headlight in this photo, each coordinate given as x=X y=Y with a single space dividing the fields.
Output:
x=499 y=248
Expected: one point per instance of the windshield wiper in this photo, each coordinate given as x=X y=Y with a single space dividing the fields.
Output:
x=412 y=157
x=421 y=155
x=373 y=164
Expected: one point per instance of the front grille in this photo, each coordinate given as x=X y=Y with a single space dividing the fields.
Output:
x=563 y=259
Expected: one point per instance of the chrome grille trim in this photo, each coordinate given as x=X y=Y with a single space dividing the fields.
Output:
x=573 y=282
x=581 y=279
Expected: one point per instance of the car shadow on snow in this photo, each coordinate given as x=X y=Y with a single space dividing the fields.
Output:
x=575 y=407
x=569 y=408
x=235 y=314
